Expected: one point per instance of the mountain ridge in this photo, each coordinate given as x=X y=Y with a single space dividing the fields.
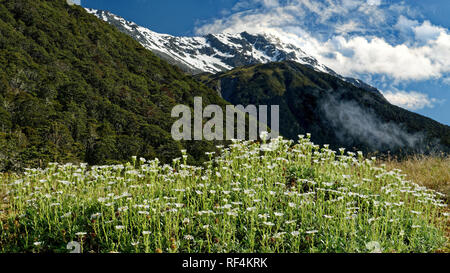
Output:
x=214 y=53
x=334 y=111
x=75 y=89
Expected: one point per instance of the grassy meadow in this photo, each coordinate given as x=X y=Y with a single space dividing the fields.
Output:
x=430 y=171
x=265 y=197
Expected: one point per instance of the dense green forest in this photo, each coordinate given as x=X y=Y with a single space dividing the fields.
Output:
x=334 y=111
x=75 y=89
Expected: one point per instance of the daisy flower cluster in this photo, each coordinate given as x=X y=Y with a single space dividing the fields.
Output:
x=269 y=196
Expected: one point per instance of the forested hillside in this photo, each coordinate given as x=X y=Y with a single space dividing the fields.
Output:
x=334 y=111
x=75 y=89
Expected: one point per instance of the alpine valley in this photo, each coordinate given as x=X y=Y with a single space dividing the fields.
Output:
x=260 y=69
x=90 y=161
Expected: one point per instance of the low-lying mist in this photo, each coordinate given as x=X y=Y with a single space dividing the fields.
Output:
x=354 y=124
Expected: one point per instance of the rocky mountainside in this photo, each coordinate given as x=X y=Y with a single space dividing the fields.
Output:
x=215 y=53
x=334 y=111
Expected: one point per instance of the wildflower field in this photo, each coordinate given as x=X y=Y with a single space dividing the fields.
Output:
x=275 y=196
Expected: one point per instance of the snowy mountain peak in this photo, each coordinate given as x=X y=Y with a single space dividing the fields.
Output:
x=215 y=53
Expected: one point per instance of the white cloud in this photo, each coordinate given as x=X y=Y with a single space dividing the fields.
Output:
x=347 y=27
x=427 y=32
x=270 y=3
x=374 y=2
x=405 y=26
x=375 y=55
x=76 y=2
x=352 y=37
x=410 y=100
x=420 y=33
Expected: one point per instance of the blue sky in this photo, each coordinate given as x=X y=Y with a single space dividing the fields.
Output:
x=400 y=47
x=176 y=17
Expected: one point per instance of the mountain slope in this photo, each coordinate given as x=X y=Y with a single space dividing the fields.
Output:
x=211 y=53
x=334 y=111
x=215 y=53
x=73 y=88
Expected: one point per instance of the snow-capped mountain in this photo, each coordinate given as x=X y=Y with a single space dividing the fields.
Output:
x=214 y=52
x=217 y=52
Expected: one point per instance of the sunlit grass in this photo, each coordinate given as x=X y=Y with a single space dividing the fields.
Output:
x=252 y=197
x=430 y=171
